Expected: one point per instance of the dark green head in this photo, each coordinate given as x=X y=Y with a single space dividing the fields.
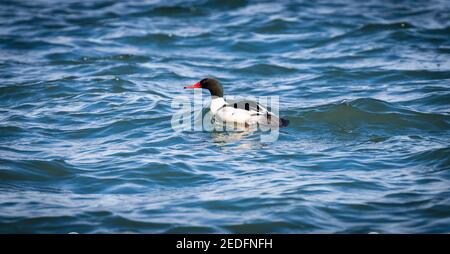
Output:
x=211 y=84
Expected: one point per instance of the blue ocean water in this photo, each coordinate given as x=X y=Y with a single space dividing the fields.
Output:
x=86 y=143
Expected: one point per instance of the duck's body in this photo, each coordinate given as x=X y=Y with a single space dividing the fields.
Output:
x=224 y=111
x=243 y=112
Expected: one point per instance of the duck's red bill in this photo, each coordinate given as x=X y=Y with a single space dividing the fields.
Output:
x=196 y=85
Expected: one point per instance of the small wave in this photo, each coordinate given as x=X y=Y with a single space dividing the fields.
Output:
x=277 y=25
x=434 y=160
x=121 y=69
x=36 y=170
x=169 y=11
x=364 y=30
x=372 y=113
x=15 y=43
x=382 y=27
x=149 y=39
x=69 y=58
x=267 y=69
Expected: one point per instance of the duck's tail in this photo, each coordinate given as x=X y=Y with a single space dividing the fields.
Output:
x=284 y=122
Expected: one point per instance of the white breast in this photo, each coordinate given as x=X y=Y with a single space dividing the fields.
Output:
x=216 y=104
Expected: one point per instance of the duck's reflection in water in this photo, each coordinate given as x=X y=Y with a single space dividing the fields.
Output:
x=240 y=137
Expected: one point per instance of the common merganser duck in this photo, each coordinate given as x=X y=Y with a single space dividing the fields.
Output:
x=244 y=112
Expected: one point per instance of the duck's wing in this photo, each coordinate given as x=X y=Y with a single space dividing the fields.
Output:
x=249 y=105
x=258 y=111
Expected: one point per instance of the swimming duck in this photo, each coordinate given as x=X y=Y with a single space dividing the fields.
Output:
x=245 y=112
